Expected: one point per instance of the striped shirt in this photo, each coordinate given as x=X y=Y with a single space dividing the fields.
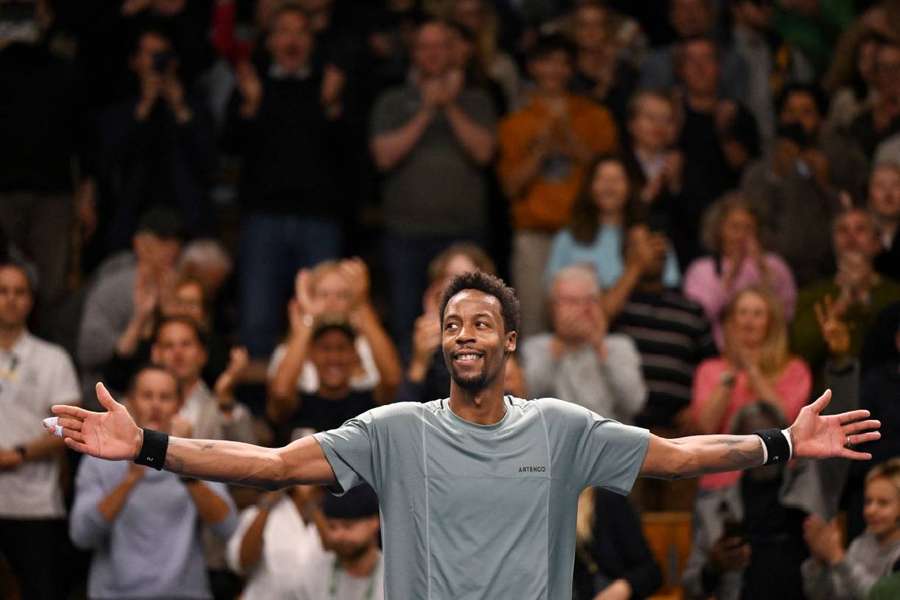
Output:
x=672 y=336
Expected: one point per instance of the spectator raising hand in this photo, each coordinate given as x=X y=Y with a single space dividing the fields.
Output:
x=334 y=290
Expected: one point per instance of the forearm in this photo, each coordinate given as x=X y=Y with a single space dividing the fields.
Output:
x=211 y=508
x=110 y=506
x=387 y=361
x=710 y=414
x=614 y=298
x=391 y=147
x=127 y=343
x=478 y=141
x=43 y=447
x=701 y=454
x=283 y=389
x=252 y=543
x=301 y=462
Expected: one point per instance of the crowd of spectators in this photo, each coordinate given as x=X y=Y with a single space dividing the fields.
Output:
x=240 y=215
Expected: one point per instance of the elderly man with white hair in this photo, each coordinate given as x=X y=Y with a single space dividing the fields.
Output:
x=579 y=360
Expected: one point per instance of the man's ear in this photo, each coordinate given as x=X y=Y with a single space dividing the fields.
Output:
x=512 y=339
x=155 y=354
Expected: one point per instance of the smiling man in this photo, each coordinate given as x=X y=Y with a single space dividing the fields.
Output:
x=478 y=491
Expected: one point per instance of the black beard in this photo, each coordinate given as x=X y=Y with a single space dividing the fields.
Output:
x=474 y=384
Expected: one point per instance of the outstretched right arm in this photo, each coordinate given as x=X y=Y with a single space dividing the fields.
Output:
x=113 y=435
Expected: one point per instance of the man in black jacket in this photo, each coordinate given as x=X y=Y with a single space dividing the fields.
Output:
x=282 y=122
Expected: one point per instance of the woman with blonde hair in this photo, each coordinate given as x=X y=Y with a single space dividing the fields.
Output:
x=832 y=572
x=737 y=259
x=612 y=558
x=755 y=366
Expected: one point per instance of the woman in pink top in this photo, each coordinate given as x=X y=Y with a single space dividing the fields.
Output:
x=731 y=232
x=755 y=367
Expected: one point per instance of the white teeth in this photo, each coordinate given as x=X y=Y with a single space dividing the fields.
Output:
x=467 y=356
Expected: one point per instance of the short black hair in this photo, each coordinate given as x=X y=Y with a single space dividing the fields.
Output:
x=163 y=222
x=490 y=285
x=327 y=325
x=549 y=43
x=810 y=89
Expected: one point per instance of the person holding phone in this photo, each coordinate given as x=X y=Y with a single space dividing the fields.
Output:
x=748 y=537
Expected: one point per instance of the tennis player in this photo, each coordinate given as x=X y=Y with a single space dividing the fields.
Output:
x=478 y=491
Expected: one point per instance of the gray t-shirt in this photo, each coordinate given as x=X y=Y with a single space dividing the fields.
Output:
x=482 y=511
x=437 y=188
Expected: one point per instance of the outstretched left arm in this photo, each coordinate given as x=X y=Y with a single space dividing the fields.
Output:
x=813 y=435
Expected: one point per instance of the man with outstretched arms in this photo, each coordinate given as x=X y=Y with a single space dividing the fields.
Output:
x=478 y=491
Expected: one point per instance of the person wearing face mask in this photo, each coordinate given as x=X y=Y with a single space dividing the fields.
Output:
x=737 y=260
x=748 y=537
x=143 y=524
x=334 y=290
x=754 y=366
x=832 y=571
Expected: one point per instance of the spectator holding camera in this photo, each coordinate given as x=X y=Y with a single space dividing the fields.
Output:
x=139 y=521
x=748 y=537
x=334 y=291
x=156 y=147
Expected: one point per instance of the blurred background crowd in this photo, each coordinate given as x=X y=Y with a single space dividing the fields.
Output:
x=240 y=215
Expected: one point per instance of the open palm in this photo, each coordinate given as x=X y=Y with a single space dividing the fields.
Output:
x=112 y=434
x=815 y=435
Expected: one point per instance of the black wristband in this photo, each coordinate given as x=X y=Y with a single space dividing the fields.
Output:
x=153 y=450
x=777 y=446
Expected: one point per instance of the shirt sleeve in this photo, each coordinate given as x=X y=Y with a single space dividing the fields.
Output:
x=596 y=451
x=87 y=527
x=65 y=389
x=349 y=452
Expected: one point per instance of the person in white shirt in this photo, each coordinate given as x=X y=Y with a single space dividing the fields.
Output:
x=353 y=568
x=579 y=360
x=34 y=375
x=273 y=539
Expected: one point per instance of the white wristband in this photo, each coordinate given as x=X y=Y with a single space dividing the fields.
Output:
x=787 y=435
